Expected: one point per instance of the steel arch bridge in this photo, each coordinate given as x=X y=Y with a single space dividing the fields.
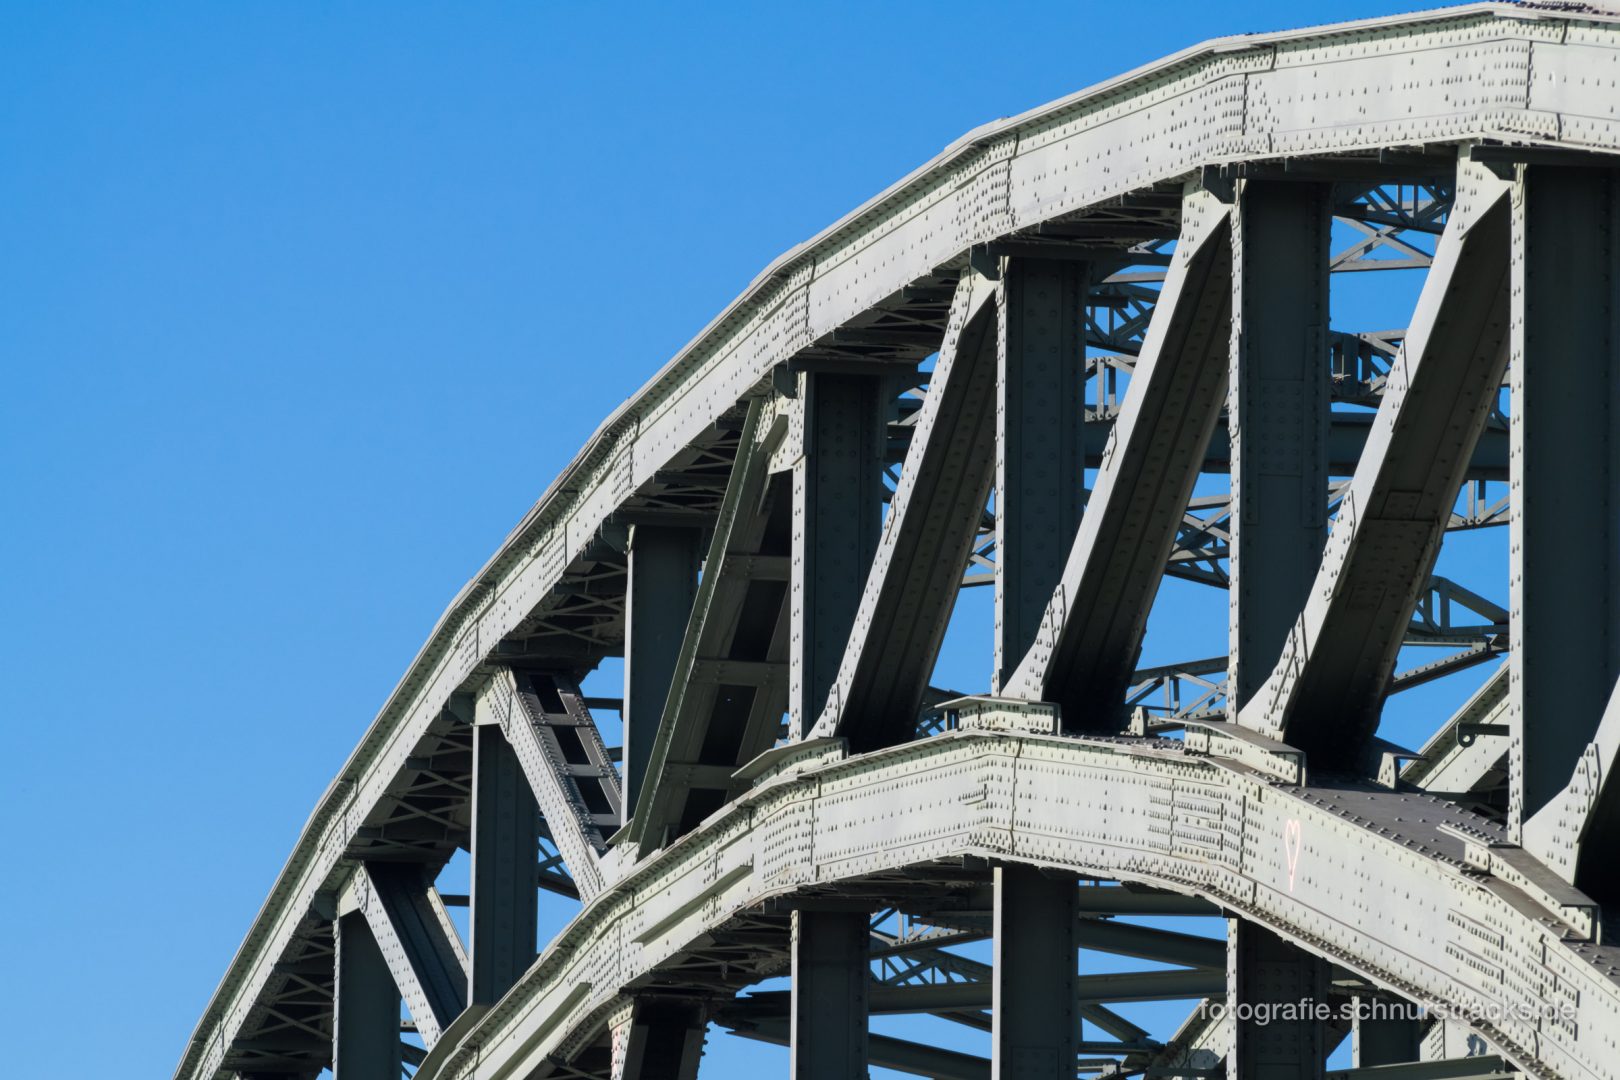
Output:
x=1082 y=350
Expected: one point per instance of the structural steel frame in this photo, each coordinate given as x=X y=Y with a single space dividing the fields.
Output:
x=1018 y=368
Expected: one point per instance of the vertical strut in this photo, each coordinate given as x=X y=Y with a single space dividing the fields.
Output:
x=1564 y=538
x=1379 y=1038
x=505 y=867
x=1277 y=408
x=663 y=581
x=660 y=1039
x=1272 y=986
x=1034 y=1025
x=837 y=514
x=1040 y=468
x=365 y=1024
x=829 y=999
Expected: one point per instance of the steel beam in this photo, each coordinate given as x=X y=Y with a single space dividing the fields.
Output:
x=1384 y=1031
x=1573 y=833
x=1481 y=1067
x=1092 y=628
x=1329 y=863
x=418 y=943
x=901 y=1055
x=837 y=516
x=1036 y=1030
x=958 y=995
x=1346 y=436
x=1149 y=943
x=1040 y=406
x=1467 y=754
x=1327 y=689
x=831 y=985
x=730 y=685
x=662 y=568
x=1564 y=573
x=660 y=1038
x=1201 y=1044
x=1149 y=986
x=1112 y=900
x=565 y=761
x=883 y=1000
x=1277 y=413
x=923 y=968
x=934 y=515
x=503 y=905
x=365 y=1020
x=1273 y=989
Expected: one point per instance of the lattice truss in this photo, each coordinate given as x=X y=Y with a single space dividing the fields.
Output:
x=1071 y=388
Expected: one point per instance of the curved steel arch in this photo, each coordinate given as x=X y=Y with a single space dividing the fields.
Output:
x=1018 y=795
x=757 y=451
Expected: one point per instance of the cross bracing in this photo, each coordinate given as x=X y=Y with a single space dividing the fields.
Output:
x=1084 y=353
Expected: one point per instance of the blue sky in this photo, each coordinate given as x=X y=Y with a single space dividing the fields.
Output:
x=304 y=306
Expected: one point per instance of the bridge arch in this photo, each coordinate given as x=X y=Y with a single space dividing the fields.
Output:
x=1131 y=283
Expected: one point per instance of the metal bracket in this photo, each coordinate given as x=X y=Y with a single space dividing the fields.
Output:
x=1222 y=738
x=1512 y=865
x=1004 y=714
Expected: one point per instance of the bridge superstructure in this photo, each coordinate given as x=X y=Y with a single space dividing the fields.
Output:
x=1081 y=351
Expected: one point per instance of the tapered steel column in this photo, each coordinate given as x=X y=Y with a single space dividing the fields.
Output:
x=1278 y=994
x=365 y=1026
x=1564 y=539
x=1277 y=408
x=505 y=867
x=663 y=567
x=1035 y=1026
x=1040 y=464
x=830 y=994
x=837 y=515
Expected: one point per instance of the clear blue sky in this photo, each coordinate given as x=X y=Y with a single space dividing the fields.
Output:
x=303 y=306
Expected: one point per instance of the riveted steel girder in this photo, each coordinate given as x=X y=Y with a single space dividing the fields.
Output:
x=658 y=1038
x=1273 y=988
x=829 y=997
x=1034 y=1011
x=1277 y=414
x=1040 y=432
x=1332 y=869
x=1566 y=483
x=837 y=517
x=663 y=566
x=365 y=1039
x=505 y=868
